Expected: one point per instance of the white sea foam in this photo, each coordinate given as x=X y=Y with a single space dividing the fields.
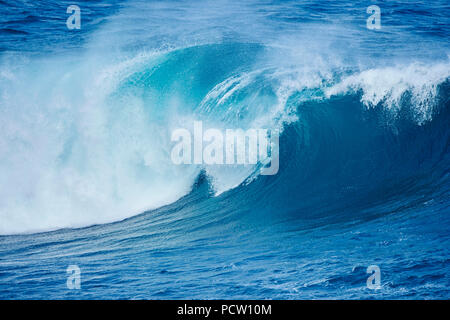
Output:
x=388 y=86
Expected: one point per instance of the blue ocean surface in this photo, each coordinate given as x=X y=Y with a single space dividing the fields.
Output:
x=86 y=177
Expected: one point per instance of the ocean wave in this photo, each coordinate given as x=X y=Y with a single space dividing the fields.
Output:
x=95 y=147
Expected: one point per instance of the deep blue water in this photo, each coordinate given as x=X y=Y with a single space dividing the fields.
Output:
x=86 y=177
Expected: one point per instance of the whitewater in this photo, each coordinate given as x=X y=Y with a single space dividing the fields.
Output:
x=86 y=176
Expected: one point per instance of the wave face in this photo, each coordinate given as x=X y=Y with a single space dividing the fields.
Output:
x=86 y=119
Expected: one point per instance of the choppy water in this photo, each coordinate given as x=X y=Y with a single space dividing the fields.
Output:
x=86 y=177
